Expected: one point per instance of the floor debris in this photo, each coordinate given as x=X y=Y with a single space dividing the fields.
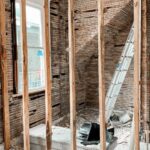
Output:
x=121 y=121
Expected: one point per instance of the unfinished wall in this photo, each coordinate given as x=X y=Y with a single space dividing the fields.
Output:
x=60 y=77
x=118 y=20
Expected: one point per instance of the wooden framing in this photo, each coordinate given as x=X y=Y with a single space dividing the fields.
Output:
x=48 y=84
x=72 y=73
x=25 y=77
x=137 y=52
x=4 y=69
x=101 y=51
x=145 y=75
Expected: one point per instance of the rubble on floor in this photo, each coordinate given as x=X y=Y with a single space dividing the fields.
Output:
x=16 y=144
x=13 y=147
x=83 y=116
x=123 y=134
x=120 y=120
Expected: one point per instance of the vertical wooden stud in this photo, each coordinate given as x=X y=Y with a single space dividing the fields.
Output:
x=48 y=82
x=3 y=56
x=25 y=77
x=101 y=51
x=72 y=73
x=137 y=49
x=145 y=70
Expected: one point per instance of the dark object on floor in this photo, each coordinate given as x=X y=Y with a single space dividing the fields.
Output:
x=114 y=117
x=90 y=134
x=111 y=130
x=110 y=134
x=90 y=131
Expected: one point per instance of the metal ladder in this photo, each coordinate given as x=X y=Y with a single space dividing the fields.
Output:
x=120 y=74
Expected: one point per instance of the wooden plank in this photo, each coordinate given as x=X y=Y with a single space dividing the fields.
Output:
x=145 y=68
x=5 y=98
x=25 y=77
x=137 y=49
x=72 y=73
x=48 y=82
x=101 y=50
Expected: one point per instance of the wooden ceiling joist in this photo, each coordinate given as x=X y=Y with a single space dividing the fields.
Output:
x=137 y=52
x=25 y=77
x=72 y=73
x=48 y=82
x=101 y=89
x=3 y=55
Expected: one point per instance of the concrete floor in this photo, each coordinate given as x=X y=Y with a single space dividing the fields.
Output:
x=62 y=135
x=60 y=139
x=90 y=115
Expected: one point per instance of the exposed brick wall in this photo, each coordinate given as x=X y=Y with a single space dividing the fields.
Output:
x=118 y=20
